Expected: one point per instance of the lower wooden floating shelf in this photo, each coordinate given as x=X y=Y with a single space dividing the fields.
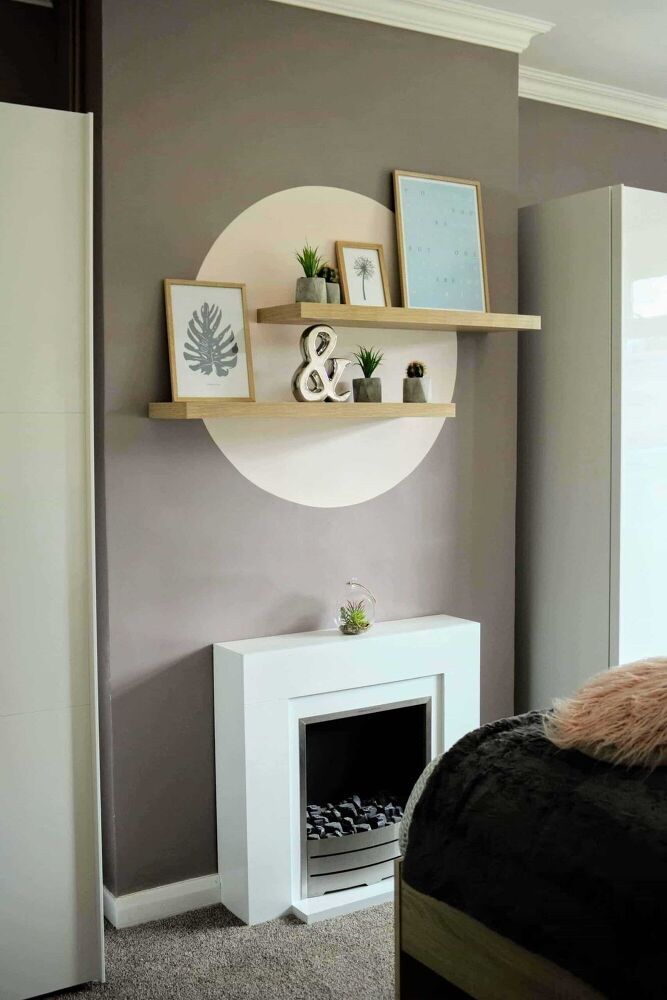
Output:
x=201 y=409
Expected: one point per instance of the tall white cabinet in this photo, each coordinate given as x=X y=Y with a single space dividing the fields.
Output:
x=50 y=870
x=592 y=480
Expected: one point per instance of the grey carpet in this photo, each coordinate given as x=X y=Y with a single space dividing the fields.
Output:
x=209 y=955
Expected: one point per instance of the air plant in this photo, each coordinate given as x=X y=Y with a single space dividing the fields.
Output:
x=310 y=261
x=353 y=618
x=329 y=274
x=368 y=359
x=416 y=369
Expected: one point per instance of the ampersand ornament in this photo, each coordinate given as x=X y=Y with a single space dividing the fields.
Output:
x=316 y=379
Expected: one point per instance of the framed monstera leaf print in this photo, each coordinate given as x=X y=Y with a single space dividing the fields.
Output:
x=209 y=340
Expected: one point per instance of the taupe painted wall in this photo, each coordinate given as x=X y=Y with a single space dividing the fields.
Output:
x=563 y=151
x=208 y=107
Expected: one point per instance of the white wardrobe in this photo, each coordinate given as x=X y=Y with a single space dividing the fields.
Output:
x=592 y=466
x=50 y=878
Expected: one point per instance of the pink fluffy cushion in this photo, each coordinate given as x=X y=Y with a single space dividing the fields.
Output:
x=619 y=716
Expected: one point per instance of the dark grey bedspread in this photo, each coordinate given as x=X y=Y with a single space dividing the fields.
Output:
x=565 y=855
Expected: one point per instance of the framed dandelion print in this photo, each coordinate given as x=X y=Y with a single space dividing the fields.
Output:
x=440 y=242
x=209 y=340
x=363 y=275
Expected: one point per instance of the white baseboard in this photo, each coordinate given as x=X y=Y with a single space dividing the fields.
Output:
x=163 y=901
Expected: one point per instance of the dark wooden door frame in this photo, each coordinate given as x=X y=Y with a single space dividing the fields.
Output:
x=70 y=14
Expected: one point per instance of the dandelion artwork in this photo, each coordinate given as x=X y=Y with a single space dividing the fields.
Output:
x=363 y=275
x=364 y=268
x=209 y=345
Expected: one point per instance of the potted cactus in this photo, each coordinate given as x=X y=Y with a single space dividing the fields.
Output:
x=330 y=275
x=416 y=384
x=368 y=389
x=310 y=288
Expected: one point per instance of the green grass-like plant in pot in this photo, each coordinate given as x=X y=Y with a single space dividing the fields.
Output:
x=310 y=288
x=369 y=388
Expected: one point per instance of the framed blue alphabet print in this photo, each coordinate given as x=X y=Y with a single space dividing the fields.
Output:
x=440 y=242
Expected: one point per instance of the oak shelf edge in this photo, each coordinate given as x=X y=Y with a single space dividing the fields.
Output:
x=394 y=317
x=201 y=409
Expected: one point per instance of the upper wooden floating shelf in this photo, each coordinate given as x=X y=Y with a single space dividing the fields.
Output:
x=397 y=318
x=201 y=409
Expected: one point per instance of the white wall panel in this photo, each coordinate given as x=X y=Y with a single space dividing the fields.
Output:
x=592 y=490
x=564 y=468
x=44 y=582
x=43 y=173
x=49 y=919
x=50 y=867
x=641 y=529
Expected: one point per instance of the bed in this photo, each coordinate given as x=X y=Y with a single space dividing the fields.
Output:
x=531 y=872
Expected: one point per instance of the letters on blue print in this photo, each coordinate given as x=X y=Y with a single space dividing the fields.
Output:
x=441 y=241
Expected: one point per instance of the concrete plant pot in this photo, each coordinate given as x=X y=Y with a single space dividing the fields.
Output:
x=333 y=292
x=367 y=390
x=311 y=290
x=417 y=390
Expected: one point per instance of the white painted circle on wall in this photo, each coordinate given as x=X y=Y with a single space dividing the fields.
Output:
x=321 y=463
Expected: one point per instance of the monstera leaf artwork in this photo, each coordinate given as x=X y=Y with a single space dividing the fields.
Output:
x=206 y=349
x=210 y=354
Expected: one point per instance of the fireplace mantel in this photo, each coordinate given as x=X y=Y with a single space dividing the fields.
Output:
x=264 y=687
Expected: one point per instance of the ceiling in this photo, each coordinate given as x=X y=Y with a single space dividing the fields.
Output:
x=616 y=42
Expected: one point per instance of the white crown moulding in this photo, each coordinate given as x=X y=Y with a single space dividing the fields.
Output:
x=466 y=22
x=598 y=98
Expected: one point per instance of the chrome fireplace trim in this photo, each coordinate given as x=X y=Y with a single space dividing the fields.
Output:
x=376 y=870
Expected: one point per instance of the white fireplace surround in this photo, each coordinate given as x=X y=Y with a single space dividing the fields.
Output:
x=264 y=687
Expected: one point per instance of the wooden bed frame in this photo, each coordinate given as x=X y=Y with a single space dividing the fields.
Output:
x=442 y=954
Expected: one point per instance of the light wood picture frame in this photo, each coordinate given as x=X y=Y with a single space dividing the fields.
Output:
x=441 y=245
x=363 y=275
x=210 y=353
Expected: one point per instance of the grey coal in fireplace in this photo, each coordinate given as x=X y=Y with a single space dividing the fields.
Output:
x=353 y=815
x=357 y=771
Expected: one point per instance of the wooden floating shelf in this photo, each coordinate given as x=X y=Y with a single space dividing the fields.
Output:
x=200 y=409
x=397 y=318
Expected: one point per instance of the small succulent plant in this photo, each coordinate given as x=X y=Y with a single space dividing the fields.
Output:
x=416 y=369
x=368 y=359
x=329 y=274
x=310 y=260
x=353 y=618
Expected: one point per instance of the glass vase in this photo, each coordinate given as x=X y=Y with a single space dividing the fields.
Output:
x=355 y=611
